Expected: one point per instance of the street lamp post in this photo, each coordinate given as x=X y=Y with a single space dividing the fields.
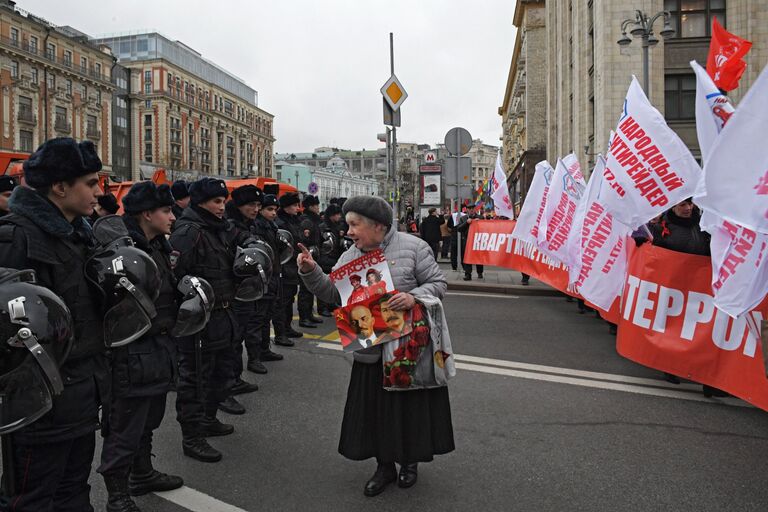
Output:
x=642 y=26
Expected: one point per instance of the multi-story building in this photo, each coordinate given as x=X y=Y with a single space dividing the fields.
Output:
x=524 y=108
x=54 y=83
x=121 y=123
x=333 y=180
x=190 y=116
x=588 y=72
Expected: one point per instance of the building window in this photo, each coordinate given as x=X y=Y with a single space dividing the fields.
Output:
x=68 y=85
x=33 y=44
x=51 y=82
x=148 y=152
x=14 y=36
x=83 y=65
x=25 y=141
x=147 y=88
x=147 y=120
x=84 y=93
x=34 y=76
x=693 y=18
x=14 y=69
x=68 y=58
x=148 y=104
x=98 y=96
x=50 y=51
x=680 y=97
x=97 y=69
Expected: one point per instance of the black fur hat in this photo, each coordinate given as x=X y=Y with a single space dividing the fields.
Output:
x=247 y=194
x=180 y=190
x=7 y=183
x=207 y=188
x=310 y=201
x=332 y=209
x=109 y=203
x=269 y=200
x=145 y=195
x=60 y=159
x=289 y=199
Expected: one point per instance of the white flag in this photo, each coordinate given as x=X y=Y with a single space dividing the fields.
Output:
x=502 y=204
x=597 y=246
x=527 y=227
x=648 y=168
x=739 y=259
x=565 y=193
x=736 y=171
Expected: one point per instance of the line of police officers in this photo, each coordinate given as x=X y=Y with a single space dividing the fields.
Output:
x=108 y=315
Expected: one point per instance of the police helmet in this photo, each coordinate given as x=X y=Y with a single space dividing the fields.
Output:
x=195 y=309
x=36 y=333
x=128 y=279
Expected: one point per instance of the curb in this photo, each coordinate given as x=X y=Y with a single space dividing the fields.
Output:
x=529 y=291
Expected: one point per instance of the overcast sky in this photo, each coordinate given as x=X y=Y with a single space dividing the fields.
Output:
x=318 y=65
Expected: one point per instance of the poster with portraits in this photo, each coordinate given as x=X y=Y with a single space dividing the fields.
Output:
x=363 y=278
x=365 y=319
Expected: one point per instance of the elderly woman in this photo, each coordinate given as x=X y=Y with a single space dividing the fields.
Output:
x=406 y=427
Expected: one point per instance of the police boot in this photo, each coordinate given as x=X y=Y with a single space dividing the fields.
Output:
x=212 y=427
x=198 y=448
x=119 y=500
x=145 y=479
x=283 y=342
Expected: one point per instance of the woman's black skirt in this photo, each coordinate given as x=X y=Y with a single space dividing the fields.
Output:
x=393 y=426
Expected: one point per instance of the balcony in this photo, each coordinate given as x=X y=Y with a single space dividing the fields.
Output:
x=92 y=132
x=25 y=115
x=60 y=124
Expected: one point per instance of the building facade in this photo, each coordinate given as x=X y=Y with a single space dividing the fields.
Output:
x=588 y=72
x=54 y=83
x=333 y=180
x=524 y=108
x=190 y=116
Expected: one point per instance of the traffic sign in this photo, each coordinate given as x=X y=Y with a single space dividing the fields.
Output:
x=391 y=117
x=430 y=157
x=313 y=188
x=393 y=92
x=458 y=141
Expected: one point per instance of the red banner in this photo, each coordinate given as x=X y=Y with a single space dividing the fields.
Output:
x=669 y=322
x=490 y=243
x=724 y=62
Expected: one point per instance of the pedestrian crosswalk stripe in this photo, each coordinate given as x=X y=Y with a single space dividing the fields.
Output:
x=607 y=381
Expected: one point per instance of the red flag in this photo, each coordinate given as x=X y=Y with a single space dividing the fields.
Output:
x=724 y=63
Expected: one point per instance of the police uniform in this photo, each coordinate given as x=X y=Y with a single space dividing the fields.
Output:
x=7 y=184
x=142 y=372
x=244 y=310
x=267 y=308
x=311 y=238
x=206 y=249
x=328 y=258
x=290 y=270
x=55 y=453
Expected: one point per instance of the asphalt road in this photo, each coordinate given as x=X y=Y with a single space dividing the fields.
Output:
x=546 y=416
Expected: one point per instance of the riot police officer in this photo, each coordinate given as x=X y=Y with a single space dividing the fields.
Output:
x=241 y=211
x=142 y=373
x=206 y=246
x=311 y=237
x=267 y=308
x=288 y=219
x=47 y=232
x=332 y=233
x=180 y=191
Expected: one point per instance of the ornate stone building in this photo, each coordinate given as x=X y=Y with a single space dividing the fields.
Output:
x=524 y=108
x=190 y=116
x=54 y=83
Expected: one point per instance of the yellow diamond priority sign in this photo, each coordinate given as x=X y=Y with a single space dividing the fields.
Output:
x=393 y=92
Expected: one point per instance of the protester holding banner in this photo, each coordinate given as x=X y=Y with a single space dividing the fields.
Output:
x=406 y=427
x=463 y=228
x=679 y=230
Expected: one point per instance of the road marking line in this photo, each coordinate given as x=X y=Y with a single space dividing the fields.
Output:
x=489 y=295
x=578 y=373
x=196 y=501
x=334 y=336
x=640 y=390
x=568 y=376
x=312 y=336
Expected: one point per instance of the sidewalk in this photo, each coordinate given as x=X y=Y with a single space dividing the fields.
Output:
x=495 y=280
